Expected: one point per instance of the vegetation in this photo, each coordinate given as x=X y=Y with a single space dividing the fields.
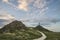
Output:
x=52 y=35
x=22 y=34
x=40 y=28
x=18 y=31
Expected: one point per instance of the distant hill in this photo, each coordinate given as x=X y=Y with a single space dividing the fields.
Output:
x=41 y=28
x=15 y=25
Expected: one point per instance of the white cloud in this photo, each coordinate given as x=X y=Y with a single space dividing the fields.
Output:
x=10 y=4
x=6 y=17
x=42 y=12
x=23 y=5
x=5 y=1
x=54 y=27
x=41 y=5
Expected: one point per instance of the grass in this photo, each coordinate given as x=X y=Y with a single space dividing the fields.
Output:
x=52 y=35
x=28 y=34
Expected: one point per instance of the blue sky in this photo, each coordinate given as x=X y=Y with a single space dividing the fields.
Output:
x=31 y=12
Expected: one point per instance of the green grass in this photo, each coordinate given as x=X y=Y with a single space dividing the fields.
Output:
x=52 y=35
x=28 y=34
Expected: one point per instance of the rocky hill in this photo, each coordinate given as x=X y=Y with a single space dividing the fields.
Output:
x=15 y=25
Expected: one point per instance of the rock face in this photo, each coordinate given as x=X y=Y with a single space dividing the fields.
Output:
x=15 y=25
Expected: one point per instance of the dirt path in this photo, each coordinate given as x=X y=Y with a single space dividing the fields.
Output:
x=43 y=37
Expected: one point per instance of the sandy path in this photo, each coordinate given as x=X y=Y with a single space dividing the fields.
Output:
x=43 y=37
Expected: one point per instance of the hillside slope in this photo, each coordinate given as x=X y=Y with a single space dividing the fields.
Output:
x=50 y=34
x=16 y=30
x=11 y=27
x=40 y=28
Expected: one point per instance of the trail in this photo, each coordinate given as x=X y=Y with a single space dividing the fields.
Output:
x=43 y=37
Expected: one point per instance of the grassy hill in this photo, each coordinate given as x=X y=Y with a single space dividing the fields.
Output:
x=41 y=28
x=11 y=27
x=18 y=31
x=50 y=34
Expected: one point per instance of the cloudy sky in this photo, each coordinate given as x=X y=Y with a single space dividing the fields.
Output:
x=31 y=12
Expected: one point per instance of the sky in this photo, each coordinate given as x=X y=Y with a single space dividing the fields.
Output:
x=31 y=12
